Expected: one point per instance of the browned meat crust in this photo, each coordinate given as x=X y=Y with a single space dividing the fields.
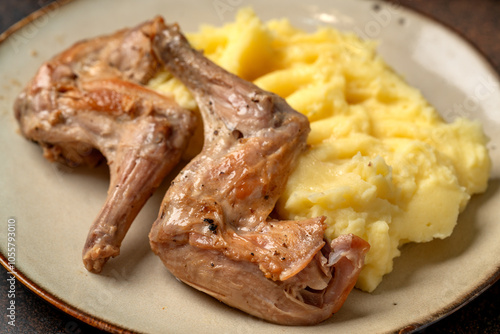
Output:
x=214 y=232
x=89 y=101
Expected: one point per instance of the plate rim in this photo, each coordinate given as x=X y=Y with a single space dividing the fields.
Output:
x=32 y=17
x=101 y=324
x=61 y=304
x=19 y=275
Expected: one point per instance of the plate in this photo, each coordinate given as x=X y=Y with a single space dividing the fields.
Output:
x=51 y=208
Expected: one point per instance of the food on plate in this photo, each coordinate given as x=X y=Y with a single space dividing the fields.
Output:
x=381 y=163
x=272 y=216
x=214 y=230
x=90 y=102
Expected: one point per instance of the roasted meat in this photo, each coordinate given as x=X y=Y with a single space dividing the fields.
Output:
x=214 y=230
x=89 y=102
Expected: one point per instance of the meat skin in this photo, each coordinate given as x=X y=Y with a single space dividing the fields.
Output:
x=213 y=231
x=89 y=102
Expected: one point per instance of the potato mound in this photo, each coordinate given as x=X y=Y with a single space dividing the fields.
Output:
x=381 y=162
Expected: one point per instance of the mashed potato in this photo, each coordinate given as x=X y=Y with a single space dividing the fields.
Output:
x=381 y=163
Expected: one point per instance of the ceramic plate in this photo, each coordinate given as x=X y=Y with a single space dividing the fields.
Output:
x=53 y=207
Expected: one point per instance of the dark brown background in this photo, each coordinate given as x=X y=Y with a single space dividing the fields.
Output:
x=478 y=21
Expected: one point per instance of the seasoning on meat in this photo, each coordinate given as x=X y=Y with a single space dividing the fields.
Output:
x=89 y=102
x=281 y=271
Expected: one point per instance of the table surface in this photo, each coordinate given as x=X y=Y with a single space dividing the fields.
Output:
x=478 y=21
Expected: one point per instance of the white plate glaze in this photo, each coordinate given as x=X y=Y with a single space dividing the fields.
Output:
x=53 y=208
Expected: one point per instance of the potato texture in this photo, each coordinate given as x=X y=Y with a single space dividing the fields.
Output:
x=381 y=163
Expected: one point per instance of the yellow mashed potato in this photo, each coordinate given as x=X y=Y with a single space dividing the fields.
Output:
x=381 y=162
